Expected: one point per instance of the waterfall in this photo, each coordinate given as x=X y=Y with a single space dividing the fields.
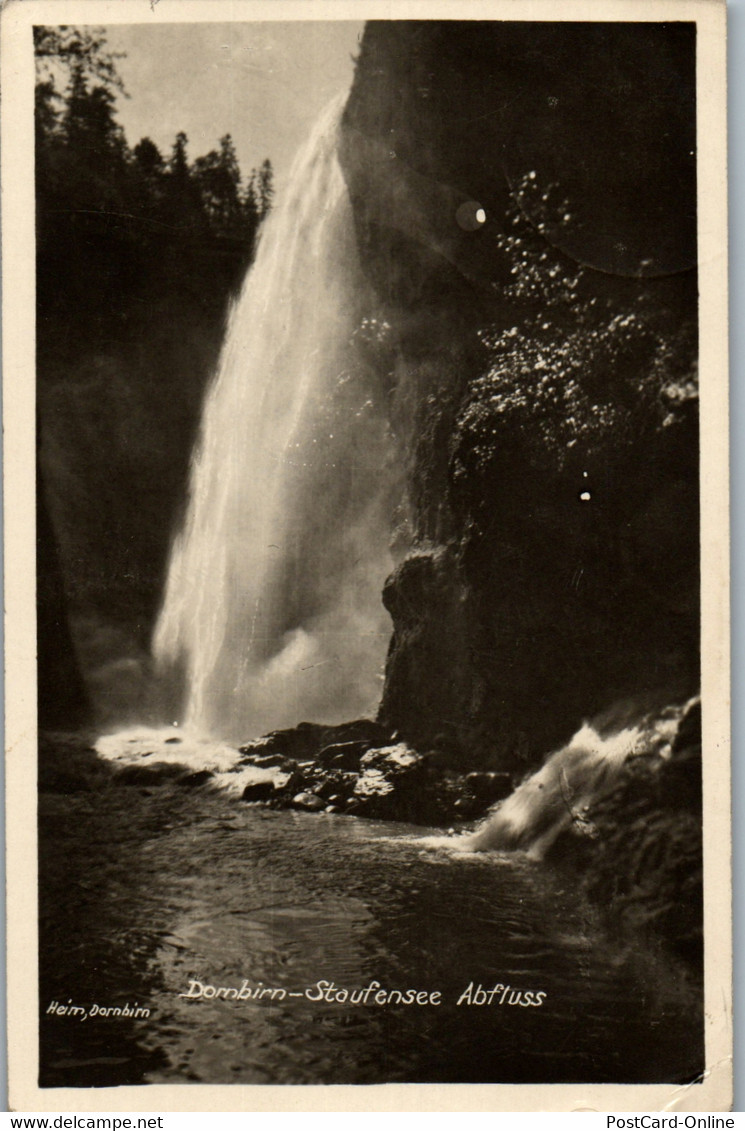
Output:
x=559 y=794
x=272 y=605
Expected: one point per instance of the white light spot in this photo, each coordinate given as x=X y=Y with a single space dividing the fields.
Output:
x=585 y=496
x=470 y=216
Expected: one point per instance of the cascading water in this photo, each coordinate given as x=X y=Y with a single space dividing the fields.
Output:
x=573 y=779
x=558 y=795
x=272 y=603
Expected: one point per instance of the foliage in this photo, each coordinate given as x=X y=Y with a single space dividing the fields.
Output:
x=84 y=162
x=575 y=375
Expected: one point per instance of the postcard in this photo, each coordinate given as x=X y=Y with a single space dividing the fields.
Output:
x=366 y=555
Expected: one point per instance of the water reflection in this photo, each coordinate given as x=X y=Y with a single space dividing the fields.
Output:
x=148 y=892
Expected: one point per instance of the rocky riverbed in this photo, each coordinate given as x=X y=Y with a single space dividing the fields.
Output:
x=633 y=839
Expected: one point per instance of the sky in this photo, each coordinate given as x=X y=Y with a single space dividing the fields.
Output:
x=263 y=83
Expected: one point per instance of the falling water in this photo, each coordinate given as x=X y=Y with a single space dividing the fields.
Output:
x=559 y=794
x=563 y=792
x=272 y=604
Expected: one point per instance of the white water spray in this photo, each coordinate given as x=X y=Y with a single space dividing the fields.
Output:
x=273 y=598
x=558 y=795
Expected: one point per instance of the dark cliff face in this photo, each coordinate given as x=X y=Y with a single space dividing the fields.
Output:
x=524 y=198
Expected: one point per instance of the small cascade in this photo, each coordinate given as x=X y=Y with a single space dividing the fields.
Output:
x=558 y=795
x=564 y=791
x=272 y=606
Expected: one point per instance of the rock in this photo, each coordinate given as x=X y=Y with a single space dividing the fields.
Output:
x=689 y=728
x=194 y=780
x=637 y=848
x=372 y=785
x=346 y=755
x=489 y=787
x=259 y=747
x=259 y=783
x=346 y=761
x=171 y=741
x=393 y=784
x=288 y=782
x=269 y=760
x=440 y=759
x=296 y=742
x=307 y=740
x=359 y=730
x=259 y=791
x=336 y=785
x=468 y=807
x=308 y=801
x=551 y=462
x=393 y=759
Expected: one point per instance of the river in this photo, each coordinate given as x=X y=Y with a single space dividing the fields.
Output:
x=147 y=890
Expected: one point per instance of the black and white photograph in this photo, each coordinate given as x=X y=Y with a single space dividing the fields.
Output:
x=375 y=549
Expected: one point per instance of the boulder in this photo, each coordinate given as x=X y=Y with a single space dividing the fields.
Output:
x=308 y=801
x=373 y=786
x=264 y=784
x=298 y=742
x=345 y=755
x=393 y=783
x=307 y=740
x=267 y=761
x=259 y=791
x=335 y=786
x=393 y=760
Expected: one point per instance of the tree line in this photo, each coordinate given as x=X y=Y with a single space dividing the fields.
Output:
x=84 y=162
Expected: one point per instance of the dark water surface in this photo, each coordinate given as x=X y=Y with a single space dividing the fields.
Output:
x=145 y=889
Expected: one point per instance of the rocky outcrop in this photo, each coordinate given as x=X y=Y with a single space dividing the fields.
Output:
x=355 y=768
x=359 y=768
x=639 y=849
x=532 y=252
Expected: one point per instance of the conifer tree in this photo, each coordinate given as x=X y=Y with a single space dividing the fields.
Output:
x=265 y=187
